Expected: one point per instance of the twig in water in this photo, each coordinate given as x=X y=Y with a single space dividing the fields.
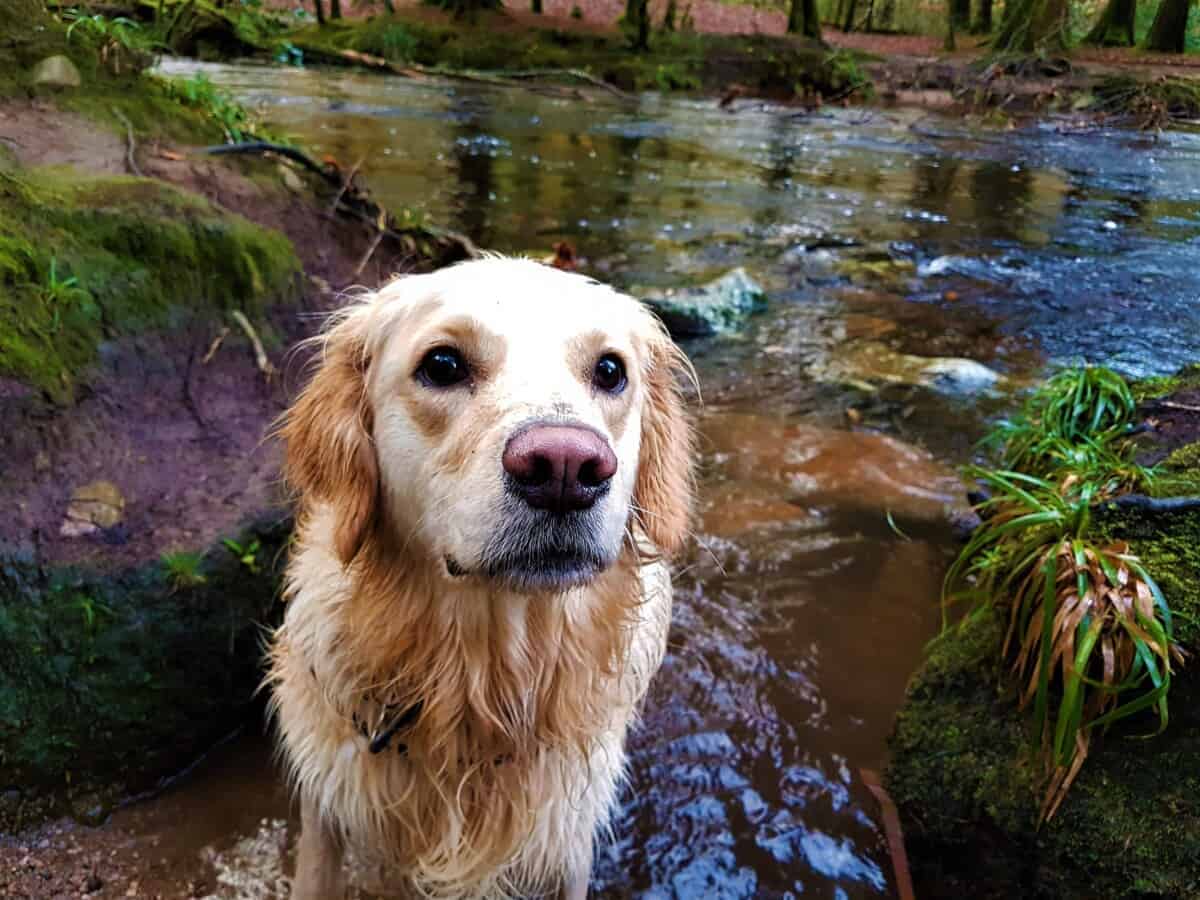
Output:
x=214 y=347
x=260 y=355
x=129 y=146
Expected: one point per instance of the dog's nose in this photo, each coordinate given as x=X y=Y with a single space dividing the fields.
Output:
x=559 y=467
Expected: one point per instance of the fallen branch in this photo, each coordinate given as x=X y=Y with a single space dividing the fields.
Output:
x=291 y=153
x=129 y=146
x=1143 y=503
x=351 y=201
x=260 y=355
x=893 y=831
x=346 y=182
x=379 y=235
x=1171 y=404
x=499 y=78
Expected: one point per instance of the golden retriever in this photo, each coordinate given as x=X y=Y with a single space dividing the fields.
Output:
x=493 y=464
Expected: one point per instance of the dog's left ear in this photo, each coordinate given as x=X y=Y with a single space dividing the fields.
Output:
x=663 y=489
x=330 y=451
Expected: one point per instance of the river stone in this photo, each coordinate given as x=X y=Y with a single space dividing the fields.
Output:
x=93 y=507
x=718 y=307
x=958 y=377
x=56 y=71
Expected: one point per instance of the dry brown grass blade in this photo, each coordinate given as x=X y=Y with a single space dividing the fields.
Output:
x=1062 y=779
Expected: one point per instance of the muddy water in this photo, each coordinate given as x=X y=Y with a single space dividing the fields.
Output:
x=884 y=239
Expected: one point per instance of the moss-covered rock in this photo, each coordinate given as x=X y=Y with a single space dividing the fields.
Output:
x=84 y=259
x=968 y=783
x=719 y=307
x=110 y=682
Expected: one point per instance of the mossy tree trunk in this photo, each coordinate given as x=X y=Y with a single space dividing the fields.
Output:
x=319 y=8
x=537 y=7
x=1033 y=25
x=959 y=12
x=848 y=21
x=983 y=24
x=804 y=19
x=335 y=9
x=1114 y=28
x=467 y=7
x=637 y=22
x=669 y=16
x=1169 y=31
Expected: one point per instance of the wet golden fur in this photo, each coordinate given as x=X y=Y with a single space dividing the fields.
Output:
x=515 y=757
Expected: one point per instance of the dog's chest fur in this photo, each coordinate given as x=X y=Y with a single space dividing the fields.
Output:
x=512 y=758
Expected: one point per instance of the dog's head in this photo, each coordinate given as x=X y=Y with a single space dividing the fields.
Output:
x=504 y=420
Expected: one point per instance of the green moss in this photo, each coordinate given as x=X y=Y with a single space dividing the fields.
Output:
x=1164 y=385
x=957 y=739
x=968 y=787
x=138 y=251
x=112 y=681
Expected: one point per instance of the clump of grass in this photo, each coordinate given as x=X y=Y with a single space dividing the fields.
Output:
x=183 y=569
x=220 y=107
x=63 y=295
x=120 y=43
x=1089 y=632
x=247 y=554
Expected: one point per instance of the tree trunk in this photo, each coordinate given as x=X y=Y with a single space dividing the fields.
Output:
x=804 y=19
x=1114 y=28
x=960 y=15
x=848 y=22
x=1033 y=25
x=537 y=7
x=1169 y=31
x=335 y=9
x=390 y=7
x=319 y=6
x=983 y=25
x=669 y=16
x=466 y=7
x=637 y=23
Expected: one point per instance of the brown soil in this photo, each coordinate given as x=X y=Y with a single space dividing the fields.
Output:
x=184 y=440
x=1174 y=420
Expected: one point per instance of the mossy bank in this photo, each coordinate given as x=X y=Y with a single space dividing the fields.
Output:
x=113 y=682
x=85 y=259
x=969 y=784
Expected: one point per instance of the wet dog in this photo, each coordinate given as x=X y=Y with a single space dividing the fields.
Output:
x=493 y=465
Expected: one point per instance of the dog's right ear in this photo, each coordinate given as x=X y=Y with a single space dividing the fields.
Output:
x=330 y=453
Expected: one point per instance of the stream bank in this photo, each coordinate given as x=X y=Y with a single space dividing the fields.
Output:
x=149 y=296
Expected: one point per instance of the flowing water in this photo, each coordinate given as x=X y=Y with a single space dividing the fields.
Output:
x=884 y=238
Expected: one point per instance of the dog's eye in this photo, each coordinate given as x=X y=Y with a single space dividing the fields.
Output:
x=609 y=374
x=443 y=367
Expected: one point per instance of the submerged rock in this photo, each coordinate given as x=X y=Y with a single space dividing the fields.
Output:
x=56 y=71
x=875 y=363
x=958 y=377
x=718 y=307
